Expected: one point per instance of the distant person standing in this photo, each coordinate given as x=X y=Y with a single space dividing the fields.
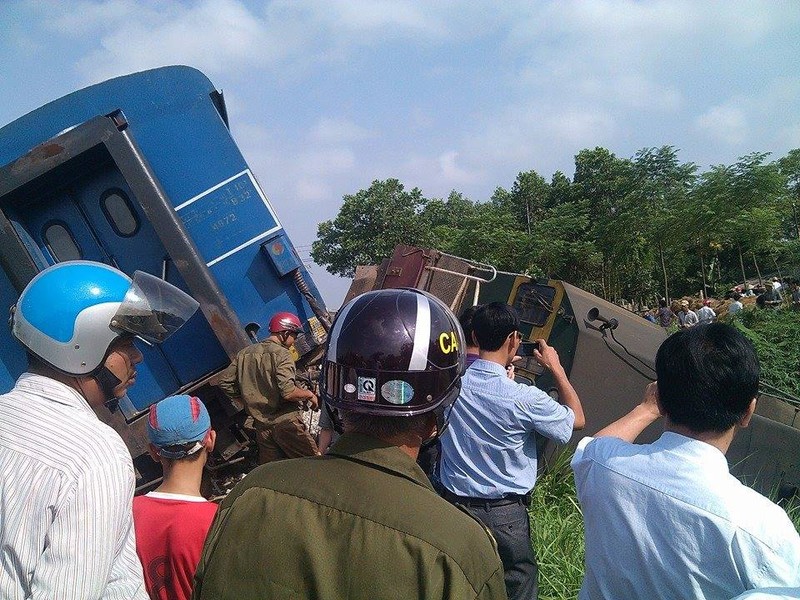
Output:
x=771 y=298
x=706 y=314
x=172 y=521
x=736 y=306
x=665 y=315
x=689 y=318
x=263 y=376
x=795 y=297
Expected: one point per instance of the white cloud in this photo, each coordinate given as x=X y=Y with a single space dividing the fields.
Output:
x=311 y=189
x=452 y=173
x=335 y=131
x=725 y=123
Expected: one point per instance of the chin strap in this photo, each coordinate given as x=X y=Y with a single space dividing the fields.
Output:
x=108 y=382
x=442 y=413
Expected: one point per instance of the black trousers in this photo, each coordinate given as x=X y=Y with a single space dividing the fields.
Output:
x=508 y=521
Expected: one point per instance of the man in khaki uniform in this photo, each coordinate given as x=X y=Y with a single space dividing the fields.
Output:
x=362 y=521
x=262 y=376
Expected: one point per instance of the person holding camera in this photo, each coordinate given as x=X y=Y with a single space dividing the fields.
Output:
x=667 y=519
x=488 y=452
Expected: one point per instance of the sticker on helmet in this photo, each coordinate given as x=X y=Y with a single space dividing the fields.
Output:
x=448 y=342
x=349 y=388
x=397 y=391
x=366 y=389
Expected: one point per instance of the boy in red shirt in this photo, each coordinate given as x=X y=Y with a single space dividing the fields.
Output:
x=172 y=521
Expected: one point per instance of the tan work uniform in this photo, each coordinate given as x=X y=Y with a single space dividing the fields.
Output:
x=361 y=522
x=262 y=375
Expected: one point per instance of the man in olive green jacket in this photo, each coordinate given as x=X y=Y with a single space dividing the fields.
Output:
x=262 y=377
x=363 y=521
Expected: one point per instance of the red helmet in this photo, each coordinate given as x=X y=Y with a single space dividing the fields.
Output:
x=285 y=321
x=395 y=352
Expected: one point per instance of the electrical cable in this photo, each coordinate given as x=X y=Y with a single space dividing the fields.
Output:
x=629 y=354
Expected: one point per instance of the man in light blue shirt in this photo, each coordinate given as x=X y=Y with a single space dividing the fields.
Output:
x=667 y=519
x=488 y=461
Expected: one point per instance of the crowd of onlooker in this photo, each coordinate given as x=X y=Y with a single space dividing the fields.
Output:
x=774 y=294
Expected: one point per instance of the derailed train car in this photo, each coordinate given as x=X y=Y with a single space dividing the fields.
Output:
x=141 y=172
x=607 y=351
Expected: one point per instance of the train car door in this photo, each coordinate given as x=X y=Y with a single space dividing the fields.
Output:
x=95 y=218
x=121 y=227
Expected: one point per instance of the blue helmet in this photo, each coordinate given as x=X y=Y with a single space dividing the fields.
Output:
x=70 y=313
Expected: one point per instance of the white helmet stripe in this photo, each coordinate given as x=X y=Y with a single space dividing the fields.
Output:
x=333 y=336
x=422 y=335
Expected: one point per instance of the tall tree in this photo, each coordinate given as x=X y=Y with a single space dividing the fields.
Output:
x=526 y=201
x=789 y=167
x=369 y=225
x=602 y=184
x=740 y=202
x=660 y=194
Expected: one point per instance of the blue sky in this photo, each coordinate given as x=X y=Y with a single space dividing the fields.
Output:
x=326 y=96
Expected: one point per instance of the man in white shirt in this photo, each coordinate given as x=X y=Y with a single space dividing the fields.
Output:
x=667 y=519
x=689 y=318
x=736 y=305
x=66 y=478
x=706 y=314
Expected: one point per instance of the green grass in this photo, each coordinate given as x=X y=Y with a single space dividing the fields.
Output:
x=557 y=530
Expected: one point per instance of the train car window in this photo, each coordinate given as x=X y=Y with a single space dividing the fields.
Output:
x=118 y=210
x=60 y=242
x=534 y=303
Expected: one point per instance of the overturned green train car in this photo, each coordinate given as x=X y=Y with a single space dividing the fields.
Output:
x=607 y=351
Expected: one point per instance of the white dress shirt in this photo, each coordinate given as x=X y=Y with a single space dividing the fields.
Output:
x=668 y=520
x=706 y=314
x=66 y=486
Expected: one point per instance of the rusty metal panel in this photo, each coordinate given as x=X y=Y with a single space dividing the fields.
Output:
x=450 y=288
x=406 y=267
x=364 y=280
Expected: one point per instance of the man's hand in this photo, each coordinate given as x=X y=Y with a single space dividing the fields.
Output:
x=547 y=356
x=643 y=414
x=313 y=402
x=650 y=400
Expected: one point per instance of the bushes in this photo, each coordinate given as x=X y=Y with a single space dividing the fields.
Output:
x=775 y=334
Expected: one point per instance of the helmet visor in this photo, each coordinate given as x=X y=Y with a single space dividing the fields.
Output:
x=153 y=309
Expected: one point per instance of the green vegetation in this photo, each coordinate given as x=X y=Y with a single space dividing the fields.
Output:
x=557 y=531
x=775 y=335
x=634 y=228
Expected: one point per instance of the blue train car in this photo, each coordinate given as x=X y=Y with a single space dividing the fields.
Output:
x=141 y=172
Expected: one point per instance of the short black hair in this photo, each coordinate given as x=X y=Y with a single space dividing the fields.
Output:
x=707 y=376
x=382 y=427
x=465 y=320
x=492 y=325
